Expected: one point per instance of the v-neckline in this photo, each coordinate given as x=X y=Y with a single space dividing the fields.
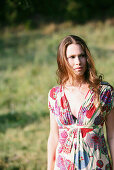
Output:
x=80 y=108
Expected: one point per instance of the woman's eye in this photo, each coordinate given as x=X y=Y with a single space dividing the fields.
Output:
x=82 y=55
x=72 y=56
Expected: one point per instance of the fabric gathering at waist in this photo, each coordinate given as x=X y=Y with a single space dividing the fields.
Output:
x=75 y=126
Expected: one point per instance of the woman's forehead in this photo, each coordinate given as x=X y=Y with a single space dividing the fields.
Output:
x=74 y=49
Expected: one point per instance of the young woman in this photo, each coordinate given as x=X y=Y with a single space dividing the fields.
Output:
x=79 y=106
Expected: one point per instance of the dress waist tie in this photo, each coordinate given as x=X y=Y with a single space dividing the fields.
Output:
x=75 y=133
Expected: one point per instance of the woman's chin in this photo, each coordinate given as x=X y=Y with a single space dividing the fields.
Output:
x=79 y=74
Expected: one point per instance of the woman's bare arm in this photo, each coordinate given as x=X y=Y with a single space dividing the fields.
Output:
x=110 y=133
x=52 y=142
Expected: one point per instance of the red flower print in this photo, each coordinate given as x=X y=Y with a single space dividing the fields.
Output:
x=60 y=149
x=64 y=134
x=93 y=141
x=63 y=137
x=63 y=102
x=100 y=163
x=53 y=93
x=60 y=88
x=65 y=143
x=60 y=162
x=66 y=148
x=69 y=165
x=75 y=133
x=64 y=164
x=84 y=131
x=91 y=111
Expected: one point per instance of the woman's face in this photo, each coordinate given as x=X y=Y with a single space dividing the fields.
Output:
x=76 y=59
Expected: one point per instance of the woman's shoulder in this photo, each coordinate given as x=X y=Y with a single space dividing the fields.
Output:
x=106 y=91
x=105 y=86
x=54 y=91
x=106 y=97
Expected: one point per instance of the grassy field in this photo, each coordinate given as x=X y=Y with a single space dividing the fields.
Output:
x=27 y=72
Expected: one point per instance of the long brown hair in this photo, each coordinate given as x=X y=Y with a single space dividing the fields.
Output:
x=64 y=68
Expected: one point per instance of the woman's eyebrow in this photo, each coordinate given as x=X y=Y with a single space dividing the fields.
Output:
x=82 y=53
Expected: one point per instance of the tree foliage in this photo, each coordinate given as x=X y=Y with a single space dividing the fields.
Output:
x=14 y=12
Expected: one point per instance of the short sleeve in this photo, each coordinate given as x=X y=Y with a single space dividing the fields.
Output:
x=107 y=99
x=51 y=100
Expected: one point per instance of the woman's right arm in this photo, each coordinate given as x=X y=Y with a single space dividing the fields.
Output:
x=52 y=142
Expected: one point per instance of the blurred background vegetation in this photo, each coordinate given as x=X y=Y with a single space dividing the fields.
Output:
x=33 y=13
x=30 y=32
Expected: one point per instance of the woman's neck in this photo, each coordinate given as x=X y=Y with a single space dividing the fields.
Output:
x=75 y=83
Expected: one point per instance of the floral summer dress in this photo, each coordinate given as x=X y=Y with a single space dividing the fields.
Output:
x=81 y=142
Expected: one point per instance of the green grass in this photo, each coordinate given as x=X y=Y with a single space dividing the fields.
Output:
x=27 y=72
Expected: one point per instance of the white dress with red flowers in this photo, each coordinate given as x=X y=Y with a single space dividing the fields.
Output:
x=81 y=142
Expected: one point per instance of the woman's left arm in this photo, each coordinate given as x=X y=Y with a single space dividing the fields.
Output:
x=110 y=133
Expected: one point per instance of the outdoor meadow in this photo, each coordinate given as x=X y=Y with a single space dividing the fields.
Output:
x=27 y=72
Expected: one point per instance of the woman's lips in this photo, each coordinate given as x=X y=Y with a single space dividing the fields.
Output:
x=78 y=68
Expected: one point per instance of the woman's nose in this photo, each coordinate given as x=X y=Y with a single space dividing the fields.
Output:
x=77 y=60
